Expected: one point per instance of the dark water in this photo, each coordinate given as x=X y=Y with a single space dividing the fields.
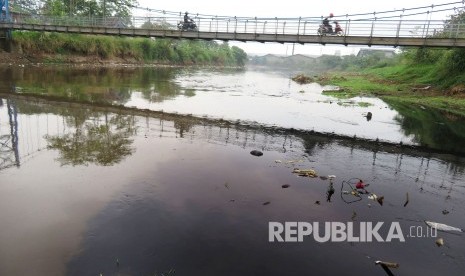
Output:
x=88 y=191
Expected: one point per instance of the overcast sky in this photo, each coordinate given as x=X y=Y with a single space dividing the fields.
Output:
x=288 y=8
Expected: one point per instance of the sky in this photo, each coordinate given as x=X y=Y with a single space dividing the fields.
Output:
x=288 y=8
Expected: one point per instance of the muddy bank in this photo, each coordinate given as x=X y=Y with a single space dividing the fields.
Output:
x=16 y=57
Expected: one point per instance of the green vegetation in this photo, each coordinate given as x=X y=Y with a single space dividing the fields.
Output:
x=120 y=8
x=436 y=129
x=364 y=104
x=418 y=84
x=166 y=51
x=432 y=77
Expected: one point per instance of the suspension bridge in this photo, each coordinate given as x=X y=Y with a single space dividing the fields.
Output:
x=407 y=27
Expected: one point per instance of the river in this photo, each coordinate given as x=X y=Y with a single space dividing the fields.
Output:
x=95 y=179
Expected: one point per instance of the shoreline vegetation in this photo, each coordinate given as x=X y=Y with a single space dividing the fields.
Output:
x=57 y=48
x=426 y=77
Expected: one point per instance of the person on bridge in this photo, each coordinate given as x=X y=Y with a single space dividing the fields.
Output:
x=186 y=18
x=326 y=24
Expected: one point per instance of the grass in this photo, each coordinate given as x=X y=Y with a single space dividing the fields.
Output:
x=172 y=51
x=364 y=104
x=397 y=83
x=360 y=84
x=452 y=105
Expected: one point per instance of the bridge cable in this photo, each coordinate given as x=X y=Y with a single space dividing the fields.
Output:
x=164 y=12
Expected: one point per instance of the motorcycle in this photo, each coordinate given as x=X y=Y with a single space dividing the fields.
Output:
x=187 y=26
x=328 y=30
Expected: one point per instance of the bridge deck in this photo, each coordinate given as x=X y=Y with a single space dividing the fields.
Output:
x=361 y=32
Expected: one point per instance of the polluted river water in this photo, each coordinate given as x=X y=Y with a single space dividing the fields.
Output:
x=90 y=189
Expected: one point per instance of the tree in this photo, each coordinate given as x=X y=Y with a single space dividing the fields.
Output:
x=107 y=8
x=455 y=26
x=54 y=7
x=25 y=6
x=94 y=142
x=239 y=55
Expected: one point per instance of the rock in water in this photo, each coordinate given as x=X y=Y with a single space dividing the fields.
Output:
x=256 y=153
x=369 y=115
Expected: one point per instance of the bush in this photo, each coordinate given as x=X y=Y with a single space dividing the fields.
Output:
x=158 y=50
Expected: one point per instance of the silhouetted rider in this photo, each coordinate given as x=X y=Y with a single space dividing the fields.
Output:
x=326 y=24
x=186 y=18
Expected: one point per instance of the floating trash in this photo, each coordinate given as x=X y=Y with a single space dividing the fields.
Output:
x=285 y=186
x=445 y=212
x=442 y=227
x=289 y=161
x=387 y=265
x=439 y=242
x=348 y=193
x=354 y=215
x=361 y=185
x=256 y=153
x=406 y=201
x=266 y=203
x=306 y=173
x=330 y=191
x=374 y=197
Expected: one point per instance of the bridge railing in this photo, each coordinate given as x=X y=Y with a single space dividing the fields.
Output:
x=308 y=26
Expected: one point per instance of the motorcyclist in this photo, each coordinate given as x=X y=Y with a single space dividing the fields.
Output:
x=188 y=23
x=338 y=27
x=326 y=25
x=186 y=18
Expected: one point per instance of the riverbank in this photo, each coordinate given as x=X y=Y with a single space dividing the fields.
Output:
x=58 y=48
x=392 y=87
x=89 y=61
x=18 y=58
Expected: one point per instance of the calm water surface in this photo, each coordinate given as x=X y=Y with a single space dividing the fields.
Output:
x=86 y=191
x=266 y=97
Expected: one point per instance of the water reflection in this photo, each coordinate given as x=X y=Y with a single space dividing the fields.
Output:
x=433 y=128
x=268 y=98
x=104 y=142
x=99 y=85
x=190 y=197
x=9 y=139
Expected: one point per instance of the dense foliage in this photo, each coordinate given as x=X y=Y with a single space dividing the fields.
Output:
x=168 y=51
x=120 y=8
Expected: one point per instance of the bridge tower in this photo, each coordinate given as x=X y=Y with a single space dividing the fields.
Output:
x=5 y=34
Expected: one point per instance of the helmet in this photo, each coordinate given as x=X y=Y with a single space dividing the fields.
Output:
x=187 y=13
x=331 y=15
